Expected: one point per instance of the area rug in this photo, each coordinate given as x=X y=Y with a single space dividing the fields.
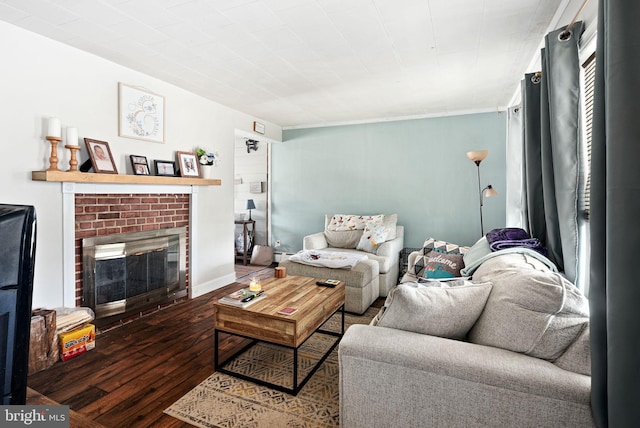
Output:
x=223 y=401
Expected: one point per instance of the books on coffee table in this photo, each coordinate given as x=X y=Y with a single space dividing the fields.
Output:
x=242 y=298
x=288 y=311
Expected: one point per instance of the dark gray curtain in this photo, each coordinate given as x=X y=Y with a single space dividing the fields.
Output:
x=615 y=207
x=551 y=136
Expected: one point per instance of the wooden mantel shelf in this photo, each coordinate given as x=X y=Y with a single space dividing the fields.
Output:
x=86 y=177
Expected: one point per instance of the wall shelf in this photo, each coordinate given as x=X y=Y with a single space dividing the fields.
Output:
x=86 y=177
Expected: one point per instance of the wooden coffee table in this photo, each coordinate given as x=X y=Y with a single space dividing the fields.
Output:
x=261 y=321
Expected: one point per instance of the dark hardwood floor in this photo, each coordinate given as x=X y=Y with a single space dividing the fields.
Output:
x=139 y=369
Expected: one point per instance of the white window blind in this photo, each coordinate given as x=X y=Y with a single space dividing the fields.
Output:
x=589 y=67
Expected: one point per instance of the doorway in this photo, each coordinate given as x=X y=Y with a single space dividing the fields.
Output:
x=251 y=183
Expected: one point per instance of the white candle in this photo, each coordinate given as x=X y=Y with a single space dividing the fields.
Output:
x=72 y=136
x=254 y=284
x=54 y=129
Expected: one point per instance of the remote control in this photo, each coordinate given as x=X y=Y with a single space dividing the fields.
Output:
x=325 y=284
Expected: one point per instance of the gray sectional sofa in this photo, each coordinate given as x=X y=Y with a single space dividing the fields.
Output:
x=508 y=349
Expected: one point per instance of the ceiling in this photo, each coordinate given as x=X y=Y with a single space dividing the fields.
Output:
x=311 y=62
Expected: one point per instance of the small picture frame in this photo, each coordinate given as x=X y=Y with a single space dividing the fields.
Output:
x=165 y=168
x=258 y=127
x=101 y=157
x=188 y=164
x=139 y=164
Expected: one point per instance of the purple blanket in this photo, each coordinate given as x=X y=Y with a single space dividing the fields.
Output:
x=510 y=237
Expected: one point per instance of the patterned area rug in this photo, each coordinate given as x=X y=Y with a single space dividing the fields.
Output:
x=225 y=401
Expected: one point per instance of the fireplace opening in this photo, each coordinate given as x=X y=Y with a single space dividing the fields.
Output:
x=126 y=273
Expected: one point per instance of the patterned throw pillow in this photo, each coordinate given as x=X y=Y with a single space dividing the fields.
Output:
x=429 y=245
x=342 y=222
x=442 y=265
x=391 y=221
x=374 y=234
x=442 y=246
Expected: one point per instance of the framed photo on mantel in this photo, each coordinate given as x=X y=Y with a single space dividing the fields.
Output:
x=188 y=164
x=101 y=157
x=139 y=165
x=165 y=168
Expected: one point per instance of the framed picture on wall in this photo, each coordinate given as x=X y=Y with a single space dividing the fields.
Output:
x=101 y=157
x=258 y=127
x=140 y=113
x=188 y=164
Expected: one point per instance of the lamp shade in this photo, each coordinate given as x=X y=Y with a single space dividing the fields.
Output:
x=250 y=204
x=477 y=155
x=490 y=191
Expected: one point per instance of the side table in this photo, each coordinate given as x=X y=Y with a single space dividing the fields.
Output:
x=248 y=229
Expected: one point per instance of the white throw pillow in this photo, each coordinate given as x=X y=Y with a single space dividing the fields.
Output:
x=391 y=221
x=374 y=234
x=448 y=312
x=344 y=222
x=345 y=230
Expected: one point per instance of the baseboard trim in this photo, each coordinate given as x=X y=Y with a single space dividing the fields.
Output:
x=280 y=256
x=209 y=286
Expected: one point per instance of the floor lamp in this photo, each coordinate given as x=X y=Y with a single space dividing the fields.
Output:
x=476 y=157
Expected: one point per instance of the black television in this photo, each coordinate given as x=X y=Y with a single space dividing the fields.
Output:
x=17 y=258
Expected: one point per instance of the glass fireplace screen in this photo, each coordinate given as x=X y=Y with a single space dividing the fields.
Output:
x=130 y=272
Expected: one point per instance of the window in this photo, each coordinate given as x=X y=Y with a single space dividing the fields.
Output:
x=584 y=199
x=589 y=67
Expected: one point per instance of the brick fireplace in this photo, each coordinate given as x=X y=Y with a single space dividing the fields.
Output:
x=108 y=214
x=91 y=209
x=108 y=203
x=111 y=214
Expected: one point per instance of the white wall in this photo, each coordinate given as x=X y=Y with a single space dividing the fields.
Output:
x=251 y=167
x=42 y=78
x=565 y=14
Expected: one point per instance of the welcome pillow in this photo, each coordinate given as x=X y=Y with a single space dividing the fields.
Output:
x=436 y=264
x=416 y=269
x=448 y=312
x=440 y=265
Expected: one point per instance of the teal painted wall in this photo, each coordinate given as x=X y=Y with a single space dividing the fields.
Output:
x=416 y=168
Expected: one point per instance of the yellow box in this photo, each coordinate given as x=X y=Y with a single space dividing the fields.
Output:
x=78 y=341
